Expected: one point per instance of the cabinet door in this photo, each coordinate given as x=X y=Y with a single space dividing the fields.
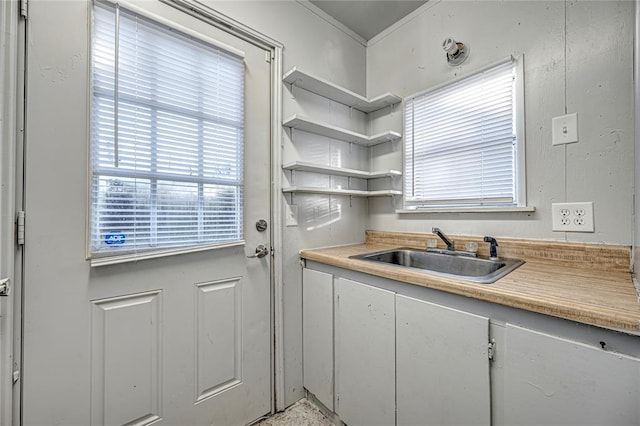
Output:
x=365 y=354
x=317 y=334
x=442 y=365
x=550 y=380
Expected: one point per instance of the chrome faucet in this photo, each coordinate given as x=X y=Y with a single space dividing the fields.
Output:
x=444 y=238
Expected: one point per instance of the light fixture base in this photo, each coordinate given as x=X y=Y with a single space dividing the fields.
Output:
x=459 y=54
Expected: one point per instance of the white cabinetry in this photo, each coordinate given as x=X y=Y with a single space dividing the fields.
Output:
x=442 y=365
x=551 y=380
x=297 y=122
x=365 y=354
x=317 y=335
x=407 y=361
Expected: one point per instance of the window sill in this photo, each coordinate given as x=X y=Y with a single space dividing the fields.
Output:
x=153 y=254
x=525 y=209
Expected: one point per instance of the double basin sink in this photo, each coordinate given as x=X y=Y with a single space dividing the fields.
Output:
x=445 y=264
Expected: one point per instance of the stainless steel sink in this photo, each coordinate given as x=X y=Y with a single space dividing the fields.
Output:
x=477 y=269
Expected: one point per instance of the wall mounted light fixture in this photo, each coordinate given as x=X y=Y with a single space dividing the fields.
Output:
x=456 y=51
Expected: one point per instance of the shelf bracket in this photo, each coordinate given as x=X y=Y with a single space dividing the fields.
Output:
x=291 y=85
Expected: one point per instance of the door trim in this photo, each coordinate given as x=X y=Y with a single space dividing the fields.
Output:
x=10 y=116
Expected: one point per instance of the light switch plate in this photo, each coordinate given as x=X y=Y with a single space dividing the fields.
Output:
x=564 y=129
x=291 y=214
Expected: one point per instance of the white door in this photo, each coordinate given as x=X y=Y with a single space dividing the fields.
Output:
x=177 y=340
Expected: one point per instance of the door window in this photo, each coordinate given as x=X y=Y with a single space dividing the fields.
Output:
x=166 y=137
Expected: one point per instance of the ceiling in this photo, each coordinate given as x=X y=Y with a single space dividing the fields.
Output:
x=368 y=17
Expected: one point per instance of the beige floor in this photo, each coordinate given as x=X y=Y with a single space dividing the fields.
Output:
x=302 y=413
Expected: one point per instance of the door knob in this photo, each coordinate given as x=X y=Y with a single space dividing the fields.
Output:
x=261 y=251
x=261 y=225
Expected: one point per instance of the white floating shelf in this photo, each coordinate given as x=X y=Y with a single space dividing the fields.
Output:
x=334 y=132
x=335 y=191
x=303 y=166
x=337 y=93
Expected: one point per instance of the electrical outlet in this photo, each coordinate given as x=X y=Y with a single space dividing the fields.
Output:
x=564 y=129
x=572 y=217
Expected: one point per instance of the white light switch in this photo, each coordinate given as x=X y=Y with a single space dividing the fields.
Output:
x=564 y=129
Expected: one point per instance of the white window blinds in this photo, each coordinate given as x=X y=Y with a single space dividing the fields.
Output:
x=460 y=142
x=166 y=137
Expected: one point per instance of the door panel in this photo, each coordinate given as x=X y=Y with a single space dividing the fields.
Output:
x=365 y=354
x=317 y=335
x=125 y=370
x=552 y=380
x=442 y=365
x=183 y=339
x=216 y=303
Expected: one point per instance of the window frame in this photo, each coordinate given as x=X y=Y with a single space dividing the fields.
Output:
x=519 y=179
x=136 y=254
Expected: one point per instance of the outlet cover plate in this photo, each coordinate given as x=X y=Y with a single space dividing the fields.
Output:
x=573 y=217
x=564 y=129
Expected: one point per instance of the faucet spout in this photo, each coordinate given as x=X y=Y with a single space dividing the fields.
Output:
x=444 y=238
x=493 y=249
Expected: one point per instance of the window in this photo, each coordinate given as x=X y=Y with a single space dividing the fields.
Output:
x=464 y=143
x=166 y=137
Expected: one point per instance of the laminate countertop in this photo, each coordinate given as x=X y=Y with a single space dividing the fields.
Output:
x=569 y=290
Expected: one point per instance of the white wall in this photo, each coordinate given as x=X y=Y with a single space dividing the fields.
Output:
x=316 y=46
x=578 y=58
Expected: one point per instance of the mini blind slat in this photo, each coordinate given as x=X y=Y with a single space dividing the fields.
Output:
x=178 y=176
x=460 y=141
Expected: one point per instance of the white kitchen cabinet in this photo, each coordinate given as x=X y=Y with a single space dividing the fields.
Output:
x=411 y=356
x=317 y=335
x=365 y=354
x=552 y=380
x=442 y=373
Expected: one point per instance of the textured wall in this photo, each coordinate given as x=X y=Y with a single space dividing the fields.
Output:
x=578 y=58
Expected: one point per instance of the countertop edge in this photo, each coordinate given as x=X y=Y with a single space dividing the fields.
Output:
x=617 y=321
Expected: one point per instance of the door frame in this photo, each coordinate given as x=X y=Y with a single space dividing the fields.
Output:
x=211 y=16
x=11 y=114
